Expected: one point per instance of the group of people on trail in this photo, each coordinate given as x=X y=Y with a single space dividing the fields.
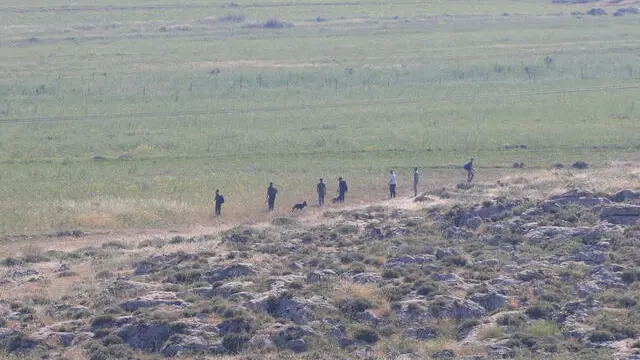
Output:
x=321 y=189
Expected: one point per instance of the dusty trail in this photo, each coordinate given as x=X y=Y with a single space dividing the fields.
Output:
x=12 y=245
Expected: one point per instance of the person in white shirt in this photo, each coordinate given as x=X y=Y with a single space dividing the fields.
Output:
x=392 y=184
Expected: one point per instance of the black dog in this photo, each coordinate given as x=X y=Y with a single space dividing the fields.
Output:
x=335 y=200
x=299 y=206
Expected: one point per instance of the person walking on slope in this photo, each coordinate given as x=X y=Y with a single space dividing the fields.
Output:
x=322 y=190
x=470 y=171
x=219 y=200
x=392 y=184
x=416 y=180
x=271 y=196
x=342 y=189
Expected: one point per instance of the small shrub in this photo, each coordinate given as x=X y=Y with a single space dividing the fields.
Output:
x=102 y=320
x=426 y=289
x=465 y=326
x=35 y=258
x=276 y=24
x=231 y=18
x=114 y=245
x=491 y=332
x=284 y=221
x=156 y=242
x=630 y=275
x=67 y=273
x=599 y=336
x=540 y=311
x=10 y=261
x=512 y=320
x=111 y=339
x=368 y=335
x=235 y=342
x=353 y=306
x=177 y=240
x=456 y=260
x=542 y=328
x=346 y=229
x=390 y=274
x=185 y=276
x=580 y=165
x=104 y=274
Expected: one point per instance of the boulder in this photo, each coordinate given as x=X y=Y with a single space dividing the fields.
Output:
x=446 y=277
x=234 y=325
x=576 y=197
x=13 y=341
x=490 y=301
x=287 y=336
x=405 y=260
x=530 y=274
x=317 y=276
x=444 y=354
x=422 y=333
x=181 y=345
x=366 y=278
x=261 y=342
x=622 y=214
x=449 y=307
x=295 y=309
x=153 y=299
x=232 y=271
x=563 y=233
x=626 y=195
x=444 y=252
x=147 y=336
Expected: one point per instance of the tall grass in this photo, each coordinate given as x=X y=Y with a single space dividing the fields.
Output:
x=177 y=114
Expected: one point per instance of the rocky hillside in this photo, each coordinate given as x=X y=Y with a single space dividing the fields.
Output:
x=506 y=278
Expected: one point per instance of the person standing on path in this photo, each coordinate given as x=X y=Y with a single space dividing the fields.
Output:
x=416 y=180
x=322 y=190
x=342 y=189
x=219 y=201
x=392 y=184
x=271 y=196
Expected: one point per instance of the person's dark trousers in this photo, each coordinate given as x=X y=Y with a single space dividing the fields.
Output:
x=320 y=200
x=271 y=204
x=341 y=197
x=218 y=209
x=392 y=190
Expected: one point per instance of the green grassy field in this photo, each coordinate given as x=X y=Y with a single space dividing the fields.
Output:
x=348 y=88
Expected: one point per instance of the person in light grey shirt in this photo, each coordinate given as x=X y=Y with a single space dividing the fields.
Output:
x=416 y=180
x=392 y=184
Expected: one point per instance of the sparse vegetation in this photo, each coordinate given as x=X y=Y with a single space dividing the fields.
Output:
x=127 y=143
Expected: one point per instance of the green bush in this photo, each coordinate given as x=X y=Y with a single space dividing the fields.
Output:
x=235 y=342
x=599 y=336
x=543 y=310
x=368 y=335
x=351 y=307
x=102 y=320
x=512 y=320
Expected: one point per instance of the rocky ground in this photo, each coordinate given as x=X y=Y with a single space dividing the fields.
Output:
x=503 y=278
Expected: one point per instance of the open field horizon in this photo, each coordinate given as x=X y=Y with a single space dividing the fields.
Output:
x=182 y=99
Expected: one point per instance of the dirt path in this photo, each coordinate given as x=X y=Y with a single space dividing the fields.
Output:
x=14 y=245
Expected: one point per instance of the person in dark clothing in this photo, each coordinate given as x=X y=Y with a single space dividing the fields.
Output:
x=342 y=189
x=219 y=201
x=322 y=190
x=416 y=180
x=271 y=196
x=470 y=171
